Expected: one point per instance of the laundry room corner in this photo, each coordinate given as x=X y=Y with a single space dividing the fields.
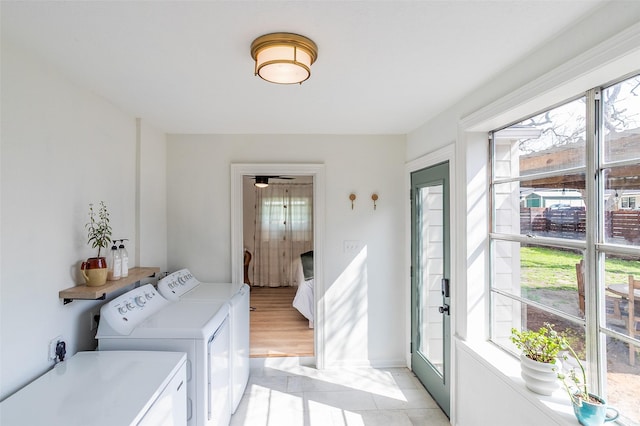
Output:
x=199 y=238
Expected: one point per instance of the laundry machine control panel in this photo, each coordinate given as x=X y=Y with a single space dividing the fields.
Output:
x=174 y=285
x=127 y=311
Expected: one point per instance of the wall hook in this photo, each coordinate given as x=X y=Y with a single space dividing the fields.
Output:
x=352 y=197
x=374 y=197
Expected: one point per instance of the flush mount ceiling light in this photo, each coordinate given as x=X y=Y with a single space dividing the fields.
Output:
x=262 y=181
x=284 y=58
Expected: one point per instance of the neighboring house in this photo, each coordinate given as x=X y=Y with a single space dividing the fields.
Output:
x=553 y=199
x=629 y=200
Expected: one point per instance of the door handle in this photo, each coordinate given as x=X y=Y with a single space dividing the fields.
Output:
x=444 y=309
x=444 y=285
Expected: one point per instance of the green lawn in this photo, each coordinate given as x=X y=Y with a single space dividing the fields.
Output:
x=551 y=268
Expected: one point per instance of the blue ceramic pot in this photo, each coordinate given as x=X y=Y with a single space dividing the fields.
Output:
x=593 y=414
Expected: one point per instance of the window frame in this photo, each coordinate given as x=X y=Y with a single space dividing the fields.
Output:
x=594 y=247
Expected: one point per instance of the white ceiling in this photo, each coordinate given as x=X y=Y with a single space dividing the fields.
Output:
x=384 y=67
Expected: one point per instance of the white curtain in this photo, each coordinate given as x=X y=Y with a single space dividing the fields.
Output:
x=283 y=231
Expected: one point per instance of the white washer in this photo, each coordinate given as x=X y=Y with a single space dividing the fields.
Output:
x=104 y=389
x=142 y=319
x=182 y=285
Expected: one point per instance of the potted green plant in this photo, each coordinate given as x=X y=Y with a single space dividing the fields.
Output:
x=589 y=408
x=98 y=228
x=539 y=358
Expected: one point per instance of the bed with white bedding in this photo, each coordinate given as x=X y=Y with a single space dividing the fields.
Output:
x=304 y=300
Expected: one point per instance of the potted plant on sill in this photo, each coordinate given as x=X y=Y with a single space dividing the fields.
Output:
x=94 y=269
x=539 y=358
x=590 y=409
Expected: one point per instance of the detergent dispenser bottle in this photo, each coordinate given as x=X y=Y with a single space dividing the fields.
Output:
x=114 y=263
x=124 y=259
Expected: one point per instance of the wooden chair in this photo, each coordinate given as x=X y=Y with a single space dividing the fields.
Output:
x=612 y=302
x=580 y=278
x=247 y=261
x=634 y=316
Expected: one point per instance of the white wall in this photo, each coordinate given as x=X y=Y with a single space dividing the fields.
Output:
x=491 y=399
x=364 y=296
x=63 y=147
x=596 y=50
x=152 y=196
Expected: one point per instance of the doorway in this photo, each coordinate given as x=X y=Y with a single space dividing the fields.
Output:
x=278 y=235
x=316 y=173
x=430 y=285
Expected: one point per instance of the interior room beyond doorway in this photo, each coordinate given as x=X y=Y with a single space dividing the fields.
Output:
x=277 y=229
x=277 y=328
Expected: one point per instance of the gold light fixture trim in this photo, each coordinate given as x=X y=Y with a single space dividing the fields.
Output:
x=284 y=58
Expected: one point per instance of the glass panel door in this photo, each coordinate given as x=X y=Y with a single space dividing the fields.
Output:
x=430 y=301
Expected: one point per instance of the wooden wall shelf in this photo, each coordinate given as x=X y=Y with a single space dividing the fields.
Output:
x=84 y=292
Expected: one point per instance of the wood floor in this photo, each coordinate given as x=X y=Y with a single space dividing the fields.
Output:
x=277 y=328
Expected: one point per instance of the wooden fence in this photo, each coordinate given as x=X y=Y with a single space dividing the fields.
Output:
x=620 y=224
x=623 y=224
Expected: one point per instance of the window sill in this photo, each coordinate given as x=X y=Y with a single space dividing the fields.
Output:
x=507 y=368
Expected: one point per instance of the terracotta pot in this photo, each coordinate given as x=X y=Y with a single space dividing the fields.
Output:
x=94 y=271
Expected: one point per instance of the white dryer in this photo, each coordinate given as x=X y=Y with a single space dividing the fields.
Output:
x=182 y=285
x=104 y=389
x=142 y=319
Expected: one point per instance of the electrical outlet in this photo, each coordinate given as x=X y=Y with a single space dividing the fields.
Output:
x=94 y=317
x=52 y=347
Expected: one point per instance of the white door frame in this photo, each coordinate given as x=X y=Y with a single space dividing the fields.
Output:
x=237 y=242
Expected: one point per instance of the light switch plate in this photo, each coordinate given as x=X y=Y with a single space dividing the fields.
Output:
x=351 y=246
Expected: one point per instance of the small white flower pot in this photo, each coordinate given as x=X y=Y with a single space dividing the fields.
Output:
x=539 y=377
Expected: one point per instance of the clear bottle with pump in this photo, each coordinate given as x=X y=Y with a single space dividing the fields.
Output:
x=114 y=263
x=124 y=259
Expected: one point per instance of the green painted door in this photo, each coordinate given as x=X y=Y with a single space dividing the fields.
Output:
x=430 y=272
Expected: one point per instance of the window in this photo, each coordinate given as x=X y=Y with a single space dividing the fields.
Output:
x=563 y=245
x=283 y=231
x=293 y=211
x=285 y=209
x=628 y=202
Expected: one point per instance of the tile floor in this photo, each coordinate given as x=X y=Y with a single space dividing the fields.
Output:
x=290 y=394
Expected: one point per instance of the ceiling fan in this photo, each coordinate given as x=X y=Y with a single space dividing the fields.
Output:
x=263 y=181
